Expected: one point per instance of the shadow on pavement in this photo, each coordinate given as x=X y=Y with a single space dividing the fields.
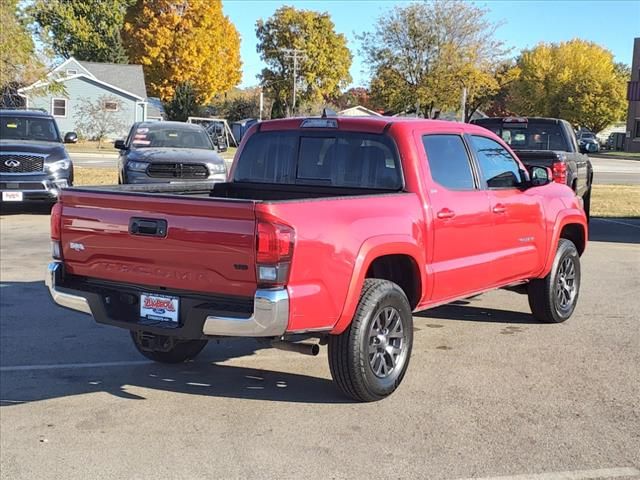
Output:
x=196 y=378
x=25 y=208
x=463 y=311
x=57 y=336
x=617 y=230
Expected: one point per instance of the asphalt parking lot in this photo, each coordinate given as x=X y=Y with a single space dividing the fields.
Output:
x=489 y=392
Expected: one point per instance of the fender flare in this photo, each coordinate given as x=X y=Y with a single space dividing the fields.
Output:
x=371 y=249
x=570 y=216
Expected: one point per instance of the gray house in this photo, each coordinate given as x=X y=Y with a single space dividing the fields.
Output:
x=117 y=88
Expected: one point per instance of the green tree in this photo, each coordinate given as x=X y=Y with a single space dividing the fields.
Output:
x=575 y=80
x=181 y=42
x=184 y=104
x=85 y=29
x=356 y=96
x=422 y=55
x=487 y=87
x=237 y=104
x=323 y=69
x=19 y=64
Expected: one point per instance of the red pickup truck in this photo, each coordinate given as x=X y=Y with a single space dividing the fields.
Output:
x=329 y=228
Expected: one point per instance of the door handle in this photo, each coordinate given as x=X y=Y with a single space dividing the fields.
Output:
x=148 y=227
x=499 y=208
x=446 y=213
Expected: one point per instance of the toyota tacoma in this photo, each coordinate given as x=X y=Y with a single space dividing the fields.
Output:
x=334 y=229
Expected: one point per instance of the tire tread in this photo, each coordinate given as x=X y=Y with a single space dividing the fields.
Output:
x=346 y=366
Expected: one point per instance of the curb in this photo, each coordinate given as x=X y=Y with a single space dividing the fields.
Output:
x=93 y=155
x=616 y=157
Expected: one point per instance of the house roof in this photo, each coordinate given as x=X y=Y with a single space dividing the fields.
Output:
x=155 y=108
x=129 y=78
x=359 y=110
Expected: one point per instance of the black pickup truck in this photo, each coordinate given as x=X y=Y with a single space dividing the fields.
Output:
x=547 y=142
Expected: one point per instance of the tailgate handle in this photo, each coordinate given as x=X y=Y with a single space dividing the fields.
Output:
x=148 y=226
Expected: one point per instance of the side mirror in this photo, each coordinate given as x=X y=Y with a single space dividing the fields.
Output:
x=540 y=176
x=119 y=144
x=71 y=137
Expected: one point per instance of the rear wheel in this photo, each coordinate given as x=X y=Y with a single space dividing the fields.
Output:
x=553 y=298
x=369 y=359
x=166 y=349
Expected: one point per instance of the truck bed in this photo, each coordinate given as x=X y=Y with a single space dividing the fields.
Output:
x=236 y=190
x=207 y=239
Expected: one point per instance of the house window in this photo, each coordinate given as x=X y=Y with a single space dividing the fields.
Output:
x=110 y=106
x=59 y=107
x=636 y=130
x=72 y=72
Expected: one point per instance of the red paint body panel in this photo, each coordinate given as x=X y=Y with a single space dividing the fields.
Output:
x=494 y=237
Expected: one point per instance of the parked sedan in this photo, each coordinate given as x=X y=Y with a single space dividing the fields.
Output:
x=168 y=152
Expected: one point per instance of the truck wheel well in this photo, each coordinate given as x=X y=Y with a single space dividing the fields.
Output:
x=401 y=270
x=575 y=233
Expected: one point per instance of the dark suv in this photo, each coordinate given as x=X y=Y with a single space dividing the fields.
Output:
x=34 y=164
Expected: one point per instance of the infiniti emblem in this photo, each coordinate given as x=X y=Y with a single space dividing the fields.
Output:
x=12 y=163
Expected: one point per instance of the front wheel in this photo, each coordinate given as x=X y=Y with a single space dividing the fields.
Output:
x=553 y=298
x=166 y=349
x=370 y=358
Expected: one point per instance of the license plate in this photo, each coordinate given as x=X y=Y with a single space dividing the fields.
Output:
x=159 y=307
x=11 y=196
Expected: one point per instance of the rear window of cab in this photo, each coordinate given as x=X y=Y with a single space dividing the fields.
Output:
x=337 y=159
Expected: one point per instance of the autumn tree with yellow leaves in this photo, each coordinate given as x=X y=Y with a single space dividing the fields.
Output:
x=188 y=42
x=575 y=80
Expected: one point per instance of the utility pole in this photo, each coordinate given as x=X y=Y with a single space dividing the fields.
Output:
x=261 y=103
x=295 y=55
x=463 y=104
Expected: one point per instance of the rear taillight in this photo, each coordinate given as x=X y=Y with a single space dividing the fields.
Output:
x=56 y=231
x=274 y=250
x=559 y=170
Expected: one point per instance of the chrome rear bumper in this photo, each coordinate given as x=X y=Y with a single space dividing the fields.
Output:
x=270 y=315
x=74 y=302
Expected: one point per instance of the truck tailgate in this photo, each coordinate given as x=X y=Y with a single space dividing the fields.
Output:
x=208 y=244
x=541 y=158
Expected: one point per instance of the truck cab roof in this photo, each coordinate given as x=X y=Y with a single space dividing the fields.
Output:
x=25 y=113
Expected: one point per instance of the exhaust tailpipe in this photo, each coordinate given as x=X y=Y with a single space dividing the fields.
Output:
x=305 y=348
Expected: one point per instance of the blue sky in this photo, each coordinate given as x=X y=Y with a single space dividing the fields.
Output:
x=612 y=24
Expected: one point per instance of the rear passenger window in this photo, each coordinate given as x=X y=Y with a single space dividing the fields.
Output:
x=267 y=158
x=448 y=161
x=354 y=160
x=498 y=167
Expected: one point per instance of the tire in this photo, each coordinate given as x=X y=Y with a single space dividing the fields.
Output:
x=554 y=298
x=173 y=351
x=586 y=201
x=361 y=359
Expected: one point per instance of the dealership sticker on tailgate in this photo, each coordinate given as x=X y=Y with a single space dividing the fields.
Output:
x=159 y=307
